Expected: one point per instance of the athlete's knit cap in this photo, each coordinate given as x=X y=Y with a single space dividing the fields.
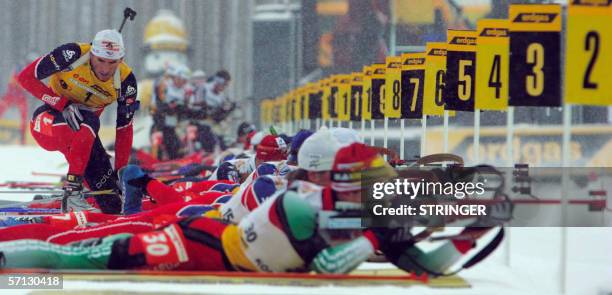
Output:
x=359 y=165
x=271 y=148
x=257 y=137
x=318 y=151
x=108 y=44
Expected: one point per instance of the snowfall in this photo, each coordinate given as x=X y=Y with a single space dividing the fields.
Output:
x=528 y=262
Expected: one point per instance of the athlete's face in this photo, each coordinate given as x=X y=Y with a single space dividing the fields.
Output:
x=179 y=82
x=220 y=87
x=104 y=68
x=321 y=178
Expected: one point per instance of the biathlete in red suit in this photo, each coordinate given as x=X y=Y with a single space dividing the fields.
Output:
x=81 y=225
x=83 y=80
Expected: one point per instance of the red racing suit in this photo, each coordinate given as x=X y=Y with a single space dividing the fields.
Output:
x=72 y=81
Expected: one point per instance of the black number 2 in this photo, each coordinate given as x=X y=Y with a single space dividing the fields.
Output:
x=592 y=35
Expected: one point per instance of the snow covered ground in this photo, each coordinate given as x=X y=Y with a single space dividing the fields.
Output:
x=534 y=253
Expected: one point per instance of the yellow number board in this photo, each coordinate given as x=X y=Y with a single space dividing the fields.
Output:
x=589 y=53
x=535 y=55
x=435 y=72
x=366 y=100
x=492 y=54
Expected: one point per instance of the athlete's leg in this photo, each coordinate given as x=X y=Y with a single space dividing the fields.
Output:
x=39 y=254
x=100 y=175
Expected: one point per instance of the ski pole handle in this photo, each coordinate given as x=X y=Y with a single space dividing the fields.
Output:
x=127 y=13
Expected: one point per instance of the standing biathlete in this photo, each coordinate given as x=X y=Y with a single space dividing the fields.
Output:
x=83 y=80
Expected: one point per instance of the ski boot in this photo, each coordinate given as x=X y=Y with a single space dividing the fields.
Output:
x=73 y=199
x=133 y=182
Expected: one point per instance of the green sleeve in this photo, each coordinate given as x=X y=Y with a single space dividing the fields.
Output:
x=342 y=258
x=301 y=217
x=39 y=254
x=302 y=222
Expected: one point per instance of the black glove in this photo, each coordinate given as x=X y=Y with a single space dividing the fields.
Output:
x=393 y=241
x=72 y=116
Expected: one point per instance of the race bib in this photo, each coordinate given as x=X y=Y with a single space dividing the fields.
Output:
x=166 y=246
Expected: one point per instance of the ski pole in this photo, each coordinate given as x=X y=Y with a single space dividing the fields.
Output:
x=127 y=13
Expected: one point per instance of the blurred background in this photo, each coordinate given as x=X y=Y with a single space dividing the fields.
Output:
x=268 y=46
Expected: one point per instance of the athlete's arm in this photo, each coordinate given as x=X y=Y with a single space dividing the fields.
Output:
x=127 y=105
x=57 y=60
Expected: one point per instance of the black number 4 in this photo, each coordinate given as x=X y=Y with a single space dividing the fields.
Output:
x=494 y=77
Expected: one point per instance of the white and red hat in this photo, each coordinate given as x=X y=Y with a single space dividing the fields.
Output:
x=358 y=165
x=108 y=44
x=271 y=148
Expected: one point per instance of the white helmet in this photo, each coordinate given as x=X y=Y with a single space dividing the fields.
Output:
x=180 y=71
x=198 y=74
x=318 y=151
x=345 y=136
x=108 y=44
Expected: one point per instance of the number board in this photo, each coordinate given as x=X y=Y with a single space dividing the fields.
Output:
x=535 y=55
x=459 y=92
x=297 y=107
x=588 y=52
x=280 y=106
x=393 y=76
x=278 y=110
x=325 y=88
x=343 y=105
x=492 y=54
x=314 y=101
x=264 y=111
x=286 y=107
x=333 y=96
x=356 y=96
x=378 y=91
x=435 y=72
x=413 y=83
x=271 y=111
x=366 y=99
x=291 y=101
x=305 y=101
